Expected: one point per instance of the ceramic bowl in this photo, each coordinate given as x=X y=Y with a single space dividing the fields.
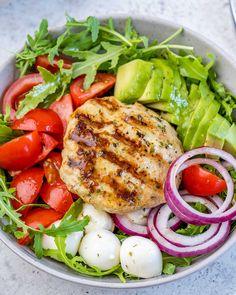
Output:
x=226 y=69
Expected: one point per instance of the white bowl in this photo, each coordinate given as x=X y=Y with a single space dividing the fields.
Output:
x=226 y=68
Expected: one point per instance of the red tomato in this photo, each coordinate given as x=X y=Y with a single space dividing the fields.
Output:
x=27 y=184
x=42 y=120
x=103 y=82
x=57 y=196
x=64 y=108
x=21 y=152
x=17 y=89
x=49 y=143
x=51 y=167
x=43 y=61
x=199 y=181
x=39 y=216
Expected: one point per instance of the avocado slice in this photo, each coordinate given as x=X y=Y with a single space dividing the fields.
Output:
x=217 y=132
x=171 y=118
x=132 y=79
x=152 y=92
x=230 y=140
x=201 y=132
x=206 y=98
x=168 y=77
x=193 y=99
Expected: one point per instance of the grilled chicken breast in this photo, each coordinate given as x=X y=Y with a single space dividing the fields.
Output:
x=116 y=156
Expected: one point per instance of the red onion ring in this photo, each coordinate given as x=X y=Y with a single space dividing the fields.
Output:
x=204 y=248
x=180 y=207
x=134 y=229
x=128 y=227
x=180 y=240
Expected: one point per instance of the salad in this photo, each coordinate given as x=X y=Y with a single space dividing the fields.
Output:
x=117 y=153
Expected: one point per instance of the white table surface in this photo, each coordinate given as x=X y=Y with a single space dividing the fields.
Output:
x=210 y=17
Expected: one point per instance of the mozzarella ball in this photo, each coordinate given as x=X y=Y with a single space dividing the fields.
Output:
x=141 y=257
x=139 y=216
x=98 y=219
x=100 y=248
x=72 y=241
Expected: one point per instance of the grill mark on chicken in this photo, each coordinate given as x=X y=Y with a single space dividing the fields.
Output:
x=84 y=134
x=111 y=106
x=120 y=190
x=100 y=144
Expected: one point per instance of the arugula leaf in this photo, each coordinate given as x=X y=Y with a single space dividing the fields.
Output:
x=40 y=44
x=191 y=67
x=55 y=49
x=38 y=245
x=53 y=84
x=7 y=134
x=171 y=262
x=93 y=26
x=169 y=268
x=92 y=61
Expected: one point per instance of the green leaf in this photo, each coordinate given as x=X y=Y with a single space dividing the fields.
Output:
x=35 y=46
x=93 y=26
x=53 y=84
x=55 y=49
x=185 y=261
x=47 y=75
x=66 y=227
x=169 y=268
x=192 y=68
x=19 y=234
x=38 y=245
x=7 y=134
x=92 y=61
x=35 y=97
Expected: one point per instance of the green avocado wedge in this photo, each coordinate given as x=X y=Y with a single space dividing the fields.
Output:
x=217 y=132
x=152 y=92
x=168 y=77
x=132 y=79
x=230 y=140
x=201 y=132
x=206 y=99
x=193 y=99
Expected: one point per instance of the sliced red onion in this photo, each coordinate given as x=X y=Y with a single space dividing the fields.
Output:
x=177 y=203
x=139 y=217
x=204 y=248
x=174 y=223
x=163 y=228
x=128 y=227
x=134 y=229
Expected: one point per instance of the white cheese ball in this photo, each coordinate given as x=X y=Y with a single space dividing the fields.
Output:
x=98 y=219
x=139 y=216
x=72 y=241
x=100 y=248
x=140 y=257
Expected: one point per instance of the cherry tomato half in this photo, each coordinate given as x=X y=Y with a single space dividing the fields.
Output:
x=17 y=89
x=51 y=167
x=21 y=152
x=38 y=216
x=42 y=120
x=48 y=144
x=64 y=108
x=103 y=82
x=200 y=182
x=42 y=61
x=57 y=196
x=27 y=184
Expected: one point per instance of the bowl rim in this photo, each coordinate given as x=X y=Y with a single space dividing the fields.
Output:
x=143 y=282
